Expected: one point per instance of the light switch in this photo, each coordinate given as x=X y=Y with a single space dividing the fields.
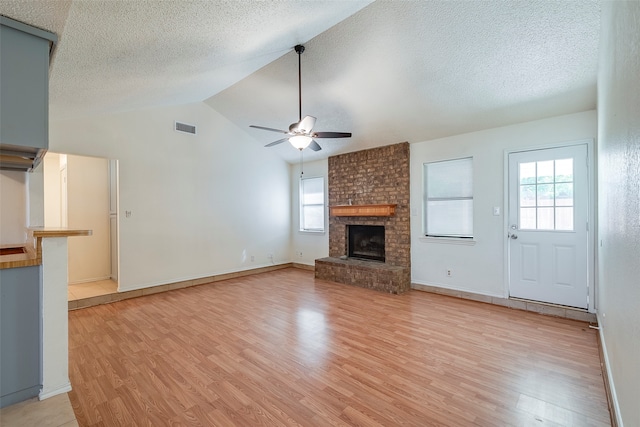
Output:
x=496 y=210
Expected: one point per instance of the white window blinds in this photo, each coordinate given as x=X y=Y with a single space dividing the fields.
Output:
x=448 y=198
x=312 y=204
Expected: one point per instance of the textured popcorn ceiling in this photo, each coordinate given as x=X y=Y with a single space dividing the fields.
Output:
x=119 y=55
x=391 y=71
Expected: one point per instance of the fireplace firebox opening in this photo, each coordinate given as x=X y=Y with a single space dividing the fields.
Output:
x=366 y=242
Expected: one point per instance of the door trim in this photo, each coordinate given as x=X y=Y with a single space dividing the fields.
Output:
x=591 y=214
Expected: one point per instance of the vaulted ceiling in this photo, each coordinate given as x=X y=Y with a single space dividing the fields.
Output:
x=387 y=71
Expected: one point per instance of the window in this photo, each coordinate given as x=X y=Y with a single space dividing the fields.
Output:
x=312 y=204
x=546 y=195
x=448 y=198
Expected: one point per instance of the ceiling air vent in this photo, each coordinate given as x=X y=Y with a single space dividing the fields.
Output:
x=183 y=127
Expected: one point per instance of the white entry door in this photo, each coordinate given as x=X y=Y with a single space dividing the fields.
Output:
x=548 y=225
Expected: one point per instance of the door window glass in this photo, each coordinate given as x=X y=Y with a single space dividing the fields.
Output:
x=546 y=195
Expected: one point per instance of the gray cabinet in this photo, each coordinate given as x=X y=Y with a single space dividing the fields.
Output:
x=24 y=94
x=20 y=334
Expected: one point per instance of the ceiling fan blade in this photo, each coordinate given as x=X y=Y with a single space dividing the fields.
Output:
x=280 y=141
x=331 y=135
x=306 y=124
x=315 y=146
x=270 y=129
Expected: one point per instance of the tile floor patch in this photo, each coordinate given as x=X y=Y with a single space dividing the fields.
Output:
x=55 y=411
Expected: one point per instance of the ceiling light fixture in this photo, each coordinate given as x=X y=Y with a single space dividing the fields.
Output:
x=300 y=141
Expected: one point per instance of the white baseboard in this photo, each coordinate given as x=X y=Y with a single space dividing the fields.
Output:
x=214 y=277
x=450 y=289
x=607 y=368
x=45 y=394
x=515 y=303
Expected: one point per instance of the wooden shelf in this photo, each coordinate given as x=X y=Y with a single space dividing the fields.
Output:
x=362 y=210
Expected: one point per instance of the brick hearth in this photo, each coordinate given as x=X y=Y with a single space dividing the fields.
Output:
x=366 y=274
x=376 y=176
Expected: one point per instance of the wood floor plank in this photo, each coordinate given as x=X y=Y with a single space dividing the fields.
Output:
x=284 y=349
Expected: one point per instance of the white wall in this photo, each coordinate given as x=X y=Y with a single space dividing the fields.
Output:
x=200 y=205
x=619 y=203
x=480 y=268
x=13 y=207
x=88 y=208
x=52 y=190
x=21 y=204
x=312 y=245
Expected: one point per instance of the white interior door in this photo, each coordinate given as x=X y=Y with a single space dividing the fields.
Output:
x=548 y=225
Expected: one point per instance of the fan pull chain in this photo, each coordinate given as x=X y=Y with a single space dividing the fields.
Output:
x=301 y=171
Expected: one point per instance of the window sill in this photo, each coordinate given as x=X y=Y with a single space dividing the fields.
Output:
x=311 y=231
x=448 y=241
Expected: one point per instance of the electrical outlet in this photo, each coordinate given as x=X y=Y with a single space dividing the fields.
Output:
x=253 y=258
x=448 y=273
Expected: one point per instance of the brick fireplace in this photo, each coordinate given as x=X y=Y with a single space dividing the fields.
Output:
x=379 y=176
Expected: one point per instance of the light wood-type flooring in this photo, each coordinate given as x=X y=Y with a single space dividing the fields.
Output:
x=285 y=349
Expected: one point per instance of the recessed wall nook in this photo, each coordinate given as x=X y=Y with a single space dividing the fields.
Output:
x=369 y=228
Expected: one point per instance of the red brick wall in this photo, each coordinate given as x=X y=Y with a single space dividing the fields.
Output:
x=376 y=176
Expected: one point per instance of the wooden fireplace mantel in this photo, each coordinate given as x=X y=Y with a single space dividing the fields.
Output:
x=362 y=210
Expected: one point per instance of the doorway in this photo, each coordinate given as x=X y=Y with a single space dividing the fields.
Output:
x=548 y=229
x=81 y=192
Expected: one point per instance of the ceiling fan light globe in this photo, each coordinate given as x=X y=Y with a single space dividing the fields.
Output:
x=300 y=141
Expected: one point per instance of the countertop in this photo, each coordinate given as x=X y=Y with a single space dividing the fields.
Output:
x=33 y=251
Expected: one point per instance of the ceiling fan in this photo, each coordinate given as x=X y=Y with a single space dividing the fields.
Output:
x=301 y=134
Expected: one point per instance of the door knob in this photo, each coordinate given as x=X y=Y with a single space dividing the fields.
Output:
x=513 y=236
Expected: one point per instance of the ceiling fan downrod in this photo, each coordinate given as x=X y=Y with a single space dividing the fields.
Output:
x=299 y=49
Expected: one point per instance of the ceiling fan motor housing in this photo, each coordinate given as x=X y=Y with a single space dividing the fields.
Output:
x=294 y=128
